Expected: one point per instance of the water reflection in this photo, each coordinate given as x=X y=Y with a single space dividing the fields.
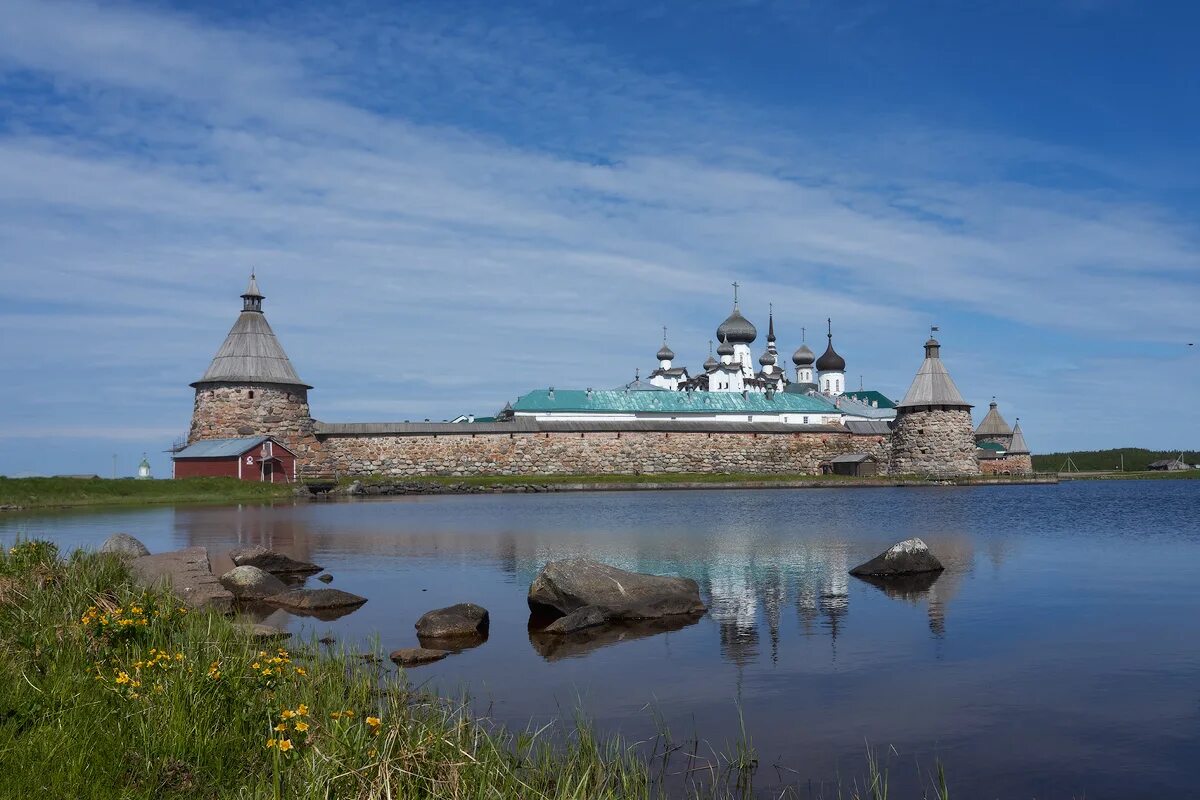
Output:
x=555 y=647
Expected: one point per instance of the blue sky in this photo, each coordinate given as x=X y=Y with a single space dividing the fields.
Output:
x=449 y=204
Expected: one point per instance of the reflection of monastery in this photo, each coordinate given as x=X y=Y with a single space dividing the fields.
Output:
x=729 y=416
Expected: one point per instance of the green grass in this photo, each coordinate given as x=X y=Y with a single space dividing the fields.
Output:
x=1136 y=459
x=62 y=492
x=109 y=691
x=546 y=480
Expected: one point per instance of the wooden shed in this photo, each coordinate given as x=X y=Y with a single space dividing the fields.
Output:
x=257 y=458
x=862 y=465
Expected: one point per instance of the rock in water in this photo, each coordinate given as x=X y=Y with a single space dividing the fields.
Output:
x=415 y=656
x=124 y=545
x=565 y=586
x=326 y=578
x=464 y=619
x=251 y=583
x=263 y=633
x=312 y=600
x=188 y=574
x=271 y=561
x=904 y=558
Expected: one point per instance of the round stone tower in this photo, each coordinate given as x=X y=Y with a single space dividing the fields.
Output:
x=251 y=388
x=934 y=435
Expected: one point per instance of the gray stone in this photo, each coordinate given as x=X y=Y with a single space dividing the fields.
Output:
x=311 y=600
x=188 y=574
x=326 y=578
x=260 y=632
x=251 y=583
x=415 y=656
x=271 y=561
x=903 y=558
x=463 y=619
x=565 y=586
x=577 y=620
x=124 y=545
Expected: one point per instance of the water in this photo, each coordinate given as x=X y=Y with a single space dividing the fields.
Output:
x=1057 y=656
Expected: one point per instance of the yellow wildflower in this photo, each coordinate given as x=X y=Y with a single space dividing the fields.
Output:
x=302 y=710
x=255 y=665
x=281 y=727
x=302 y=726
x=288 y=714
x=270 y=743
x=373 y=724
x=285 y=745
x=300 y=671
x=122 y=678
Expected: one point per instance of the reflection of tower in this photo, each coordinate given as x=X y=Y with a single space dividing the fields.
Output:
x=834 y=601
x=735 y=609
x=773 y=597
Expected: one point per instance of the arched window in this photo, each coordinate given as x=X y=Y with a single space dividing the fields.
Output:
x=251 y=394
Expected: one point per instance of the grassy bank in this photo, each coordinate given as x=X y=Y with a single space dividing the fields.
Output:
x=64 y=492
x=113 y=692
x=1134 y=459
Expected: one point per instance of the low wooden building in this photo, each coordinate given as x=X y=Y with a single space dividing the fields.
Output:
x=860 y=465
x=256 y=458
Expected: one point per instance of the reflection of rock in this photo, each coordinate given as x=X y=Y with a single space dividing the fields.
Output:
x=326 y=578
x=452 y=644
x=912 y=587
x=564 y=586
x=124 y=545
x=260 y=632
x=271 y=561
x=461 y=620
x=554 y=647
x=903 y=558
x=416 y=656
x=324 y=604
x=577 y=620
x=251 y=583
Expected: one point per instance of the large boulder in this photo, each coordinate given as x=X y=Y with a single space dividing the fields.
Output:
x=565 y=586
x=324 y=604
x=271 y=561
x=251 y=583
x=415 y=656
x=188 y=574
x=124 y=545
x=461 y=620
x=909 y=557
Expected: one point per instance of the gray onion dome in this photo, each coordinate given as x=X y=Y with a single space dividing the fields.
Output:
x=737 y=329
x=830 y=361
x=711 y=363
x=725 y=348
x=665 y=354
x=803 y=357
x=766 y=359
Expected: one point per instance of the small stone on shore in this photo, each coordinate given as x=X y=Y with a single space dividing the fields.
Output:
x=251 y=583
x=271 y=561
x=124 y=545
x=463 y=619
x=416 y=656
x=326 y=578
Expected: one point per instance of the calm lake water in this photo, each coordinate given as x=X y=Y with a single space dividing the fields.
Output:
x=1058 y=656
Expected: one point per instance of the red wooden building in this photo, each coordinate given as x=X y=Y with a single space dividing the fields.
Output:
x=257 y=458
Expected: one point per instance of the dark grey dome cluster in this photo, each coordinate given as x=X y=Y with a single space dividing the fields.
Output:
x=736 y=329
x=803 y=357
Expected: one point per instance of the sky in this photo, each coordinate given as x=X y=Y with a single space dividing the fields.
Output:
x=449 y=204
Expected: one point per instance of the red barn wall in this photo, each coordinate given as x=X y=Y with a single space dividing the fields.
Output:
x=207 y=468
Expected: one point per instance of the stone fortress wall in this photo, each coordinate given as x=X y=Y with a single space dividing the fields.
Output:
x=589 y=453
x=229 y=411
x=1012 y=464
x=939 y=442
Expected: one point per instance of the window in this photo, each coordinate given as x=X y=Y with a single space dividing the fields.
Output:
x=251 y=394
x=806 y=420
x=749 y=418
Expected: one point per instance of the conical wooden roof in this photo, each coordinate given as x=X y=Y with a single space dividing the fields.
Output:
x=251 y=353
x=933 y=385
x=1018 y=446
x=993 y=424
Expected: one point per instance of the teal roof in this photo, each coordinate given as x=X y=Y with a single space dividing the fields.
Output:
x=999 y=448
x=870 y=396
x=633 y=402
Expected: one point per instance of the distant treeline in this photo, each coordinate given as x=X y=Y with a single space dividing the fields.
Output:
x=1136 y=459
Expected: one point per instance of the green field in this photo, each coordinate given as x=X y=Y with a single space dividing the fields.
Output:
x=111 y=691
x=61 y=492
x=1136 y=459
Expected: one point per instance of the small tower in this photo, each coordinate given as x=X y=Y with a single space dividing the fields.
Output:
x=665 y=376
x=1020 y=462
x=143 y=473
x=994 y=429
x=831 y=368
x=933 y=434
x=251 y=388
x=739 y=333
x=803 y=359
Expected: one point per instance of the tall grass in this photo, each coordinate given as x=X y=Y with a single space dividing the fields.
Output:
x=108 y=691
x=64 y=492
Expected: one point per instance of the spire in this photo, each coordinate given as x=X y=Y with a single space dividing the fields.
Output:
x=830 y=361
x=252 y=298
x=771 y=323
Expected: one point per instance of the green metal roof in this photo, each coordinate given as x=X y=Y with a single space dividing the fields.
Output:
x=870 y=396
x=632 y=402
x=999 y=448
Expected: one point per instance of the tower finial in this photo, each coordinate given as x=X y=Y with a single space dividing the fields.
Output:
x=829 y=323
x=735 y=293
x=252 y=298
x=803 y=335
x=664 y=334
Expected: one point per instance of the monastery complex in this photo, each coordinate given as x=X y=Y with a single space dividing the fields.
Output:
x=252 y=419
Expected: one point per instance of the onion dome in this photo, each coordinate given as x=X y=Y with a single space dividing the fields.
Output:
x=736 y=329
x=710 y=363
x=665 y=354
x=725 y=348
x=803 y=357
x=830 y=361
x=766 y=359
